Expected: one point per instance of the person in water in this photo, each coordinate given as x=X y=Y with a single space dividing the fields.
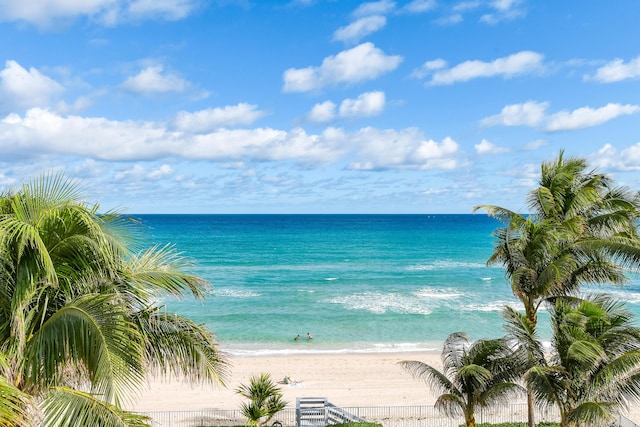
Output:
x=297 y=338
x=309 y=337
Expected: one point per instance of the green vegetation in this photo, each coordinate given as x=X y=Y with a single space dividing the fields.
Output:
x=474 y=375
x=581 y=229
x=265 y=400
x=79 y=326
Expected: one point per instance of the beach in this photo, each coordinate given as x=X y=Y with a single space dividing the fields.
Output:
x=347 y=380
x=344 y=379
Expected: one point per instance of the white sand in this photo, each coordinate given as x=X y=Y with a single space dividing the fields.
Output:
x=344 y=379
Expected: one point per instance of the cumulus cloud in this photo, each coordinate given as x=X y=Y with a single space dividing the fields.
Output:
x=212 y=118
x=21 y=88
x=525 y=62
x=45 y=13
x=360 y=28
x=528 y=114
x=363 y=62
x=405 y=149
x=153 y=80
x=587 y=117
x=322 y=112
x=534 y=114
x=608 y=157
x=487 y=147
x=617 y=70
x=43 y=133
x=366 y=105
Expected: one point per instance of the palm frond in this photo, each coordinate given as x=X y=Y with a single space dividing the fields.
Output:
x=176 y=345
x=432 y=376
x=65 y=407
x=95 y=334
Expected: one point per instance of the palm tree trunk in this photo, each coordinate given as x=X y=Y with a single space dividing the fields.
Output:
x=530 y=408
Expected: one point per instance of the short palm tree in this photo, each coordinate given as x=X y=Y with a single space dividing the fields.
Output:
x=79 y=324
x=474 y=375
x=265 y=400
x=593 y=367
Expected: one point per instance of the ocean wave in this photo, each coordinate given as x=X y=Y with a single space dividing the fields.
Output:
x=438 y=293
x=446 y=265
x=381 y=303
x=234 y=293
x=490 y=306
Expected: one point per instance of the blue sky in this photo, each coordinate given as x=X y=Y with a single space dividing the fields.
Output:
x=325 y=106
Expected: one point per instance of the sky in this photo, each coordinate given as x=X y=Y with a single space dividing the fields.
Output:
x=315 y=106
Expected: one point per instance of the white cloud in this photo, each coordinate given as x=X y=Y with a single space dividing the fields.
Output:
x=366 y=105
x=405 y=149
x=44 y=133
x=617 y=70
x=533 y=114
x=45 y=13
x=419 y=6
x=530 y=113
x=487 y=147
x=152 y=80
x=453 y=19
x=21 y=88
x=322 y=112
x=504 y=10
x=212 y=118
x=360 y=28
x=525 y=62
x=363 y=62
x=608 y=157
x=588 y=117
x=428 y=67
x=381 y=7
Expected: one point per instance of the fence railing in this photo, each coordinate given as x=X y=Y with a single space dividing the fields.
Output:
x=388 y=416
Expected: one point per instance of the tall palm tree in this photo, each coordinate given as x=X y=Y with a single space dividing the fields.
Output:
x=78 y=320
x=593 y=366
x=474 y=375
x=581 y=229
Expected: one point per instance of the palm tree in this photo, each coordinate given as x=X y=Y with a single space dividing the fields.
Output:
x=593 y=367
x=474 y=375
x=79 y=325
x=13 y=403
x=265 y=400
x=581 y=230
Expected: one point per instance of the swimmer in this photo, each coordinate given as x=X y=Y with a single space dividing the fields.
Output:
x=309 y=337
x=297 y=338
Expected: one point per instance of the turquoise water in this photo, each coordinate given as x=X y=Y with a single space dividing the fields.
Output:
x=357 y=283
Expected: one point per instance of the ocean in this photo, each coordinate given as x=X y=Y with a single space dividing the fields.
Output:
x=357 y=283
